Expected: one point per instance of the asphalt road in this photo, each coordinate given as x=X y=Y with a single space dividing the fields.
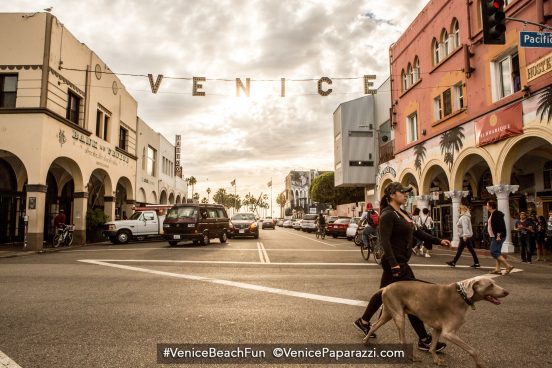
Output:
x=109 y=306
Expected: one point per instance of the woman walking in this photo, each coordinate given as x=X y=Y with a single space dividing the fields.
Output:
x=397 y=232
x=540 y=235
x=465 y=232
x=496 y=228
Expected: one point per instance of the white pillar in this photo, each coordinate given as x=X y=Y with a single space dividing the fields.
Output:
x=456 y=196
x=502 y=192
x=422 y=201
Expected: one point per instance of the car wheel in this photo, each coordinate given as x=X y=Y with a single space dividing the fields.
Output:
x=123 y=236
x=334 y=236
x=205 y=240
x=223 y=238
x=349 y=238
x=172 y=243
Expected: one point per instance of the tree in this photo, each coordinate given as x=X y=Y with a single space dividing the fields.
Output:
x=419 y=154
x=191 y=181
x=220 y=197
x=281 y=201
x=208 y=194
x=196 y=196
x=545 y=104
x=204 y=200
x=323 y=190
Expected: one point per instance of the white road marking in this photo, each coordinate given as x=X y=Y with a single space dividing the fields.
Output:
x=241 y=285
x=6 y=362
x=261 y=255
x=214 y=249
x=267 y=260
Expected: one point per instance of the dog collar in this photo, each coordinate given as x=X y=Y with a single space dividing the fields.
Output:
x=460 y=289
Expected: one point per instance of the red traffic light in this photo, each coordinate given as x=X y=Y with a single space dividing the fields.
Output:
x=498 y=4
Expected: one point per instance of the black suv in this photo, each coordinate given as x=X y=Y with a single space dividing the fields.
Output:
x=197 y=222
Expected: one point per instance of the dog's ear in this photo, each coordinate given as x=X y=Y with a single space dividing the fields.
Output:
x=471 y=286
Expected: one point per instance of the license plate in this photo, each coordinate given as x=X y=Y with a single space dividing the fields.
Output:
x=242 y=231
x=176 y=236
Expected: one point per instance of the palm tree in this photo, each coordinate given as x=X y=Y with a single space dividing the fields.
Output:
x=420 y=154
x=545 y=104
x=208 y=194
x=451 y=141
x=191 y=181
x=196 y=196
x=281 y=201
x=204 y=200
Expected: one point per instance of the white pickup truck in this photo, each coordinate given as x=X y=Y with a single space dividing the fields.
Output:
x=142 y=224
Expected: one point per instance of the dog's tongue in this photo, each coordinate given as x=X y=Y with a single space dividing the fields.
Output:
x=492 y=300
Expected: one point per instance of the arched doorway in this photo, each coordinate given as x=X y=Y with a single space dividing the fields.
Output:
x=409 y=180
x=178 y=200
x=163 y=197
x=436 y=183
x=123 y=198
x=13 y=178
x=171 y=198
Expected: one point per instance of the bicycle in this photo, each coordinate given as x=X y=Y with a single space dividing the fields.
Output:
x=64 y=235
x=321 y=232
x=373 y=247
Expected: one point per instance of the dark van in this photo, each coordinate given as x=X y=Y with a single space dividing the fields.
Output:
x=197 y=222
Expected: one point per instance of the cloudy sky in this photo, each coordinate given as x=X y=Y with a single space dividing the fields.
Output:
x=250 y=139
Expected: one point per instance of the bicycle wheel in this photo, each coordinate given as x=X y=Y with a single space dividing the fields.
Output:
x=56 y=241
x=365 y=251
x=69 y=239
x=323 y=235
x=317 y=234
x=378 y=252
x=358 y=239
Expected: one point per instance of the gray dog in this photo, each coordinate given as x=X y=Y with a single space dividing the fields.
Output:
x=442 y=307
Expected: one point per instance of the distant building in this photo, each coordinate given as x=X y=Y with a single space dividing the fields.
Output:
x=297 y=189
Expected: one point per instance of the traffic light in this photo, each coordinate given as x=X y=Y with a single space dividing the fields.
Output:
x=493 y=22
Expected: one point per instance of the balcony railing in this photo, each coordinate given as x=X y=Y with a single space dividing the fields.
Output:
x=386 y=152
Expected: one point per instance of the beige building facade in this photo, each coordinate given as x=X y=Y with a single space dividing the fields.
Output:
x=68 y=131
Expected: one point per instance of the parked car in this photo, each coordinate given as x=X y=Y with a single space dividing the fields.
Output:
x=352 y=228
x=243 y=224
x=280 y=222
x=339 y=227
x=288 y=223
x=308 y=223
x=331 y=219
x=268 y=224
x=197 y=222
x=297 y=224
x=146 y=222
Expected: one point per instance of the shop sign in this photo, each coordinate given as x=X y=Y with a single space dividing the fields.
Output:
x=539 y=67
x=98 y=150
x=387 y=170
x=499 y=125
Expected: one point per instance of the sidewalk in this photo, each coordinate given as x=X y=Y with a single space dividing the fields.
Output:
x=509 y=256
x=17 y=250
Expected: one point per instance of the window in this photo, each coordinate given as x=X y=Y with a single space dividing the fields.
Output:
x=447 y=102
x=412 y=128
x=404 y=78
x=8 y=90
x=106 y=127
x=361 y=163
x=458 y=96
x=409 y=76
x=547 y=175
x=507 y=76
x=73 y=107
x=416 y=70
x=436 y=52
x=99 y=118
x=152 y=157
x=123 y=134
x=144 y=159
x=437 y=108
x=445 y=43
x=455 y=34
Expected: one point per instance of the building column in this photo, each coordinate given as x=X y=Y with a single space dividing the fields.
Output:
x=80 y=206
x=422 y=201
x=35 y=209
x=456 y=197
x=502 y=192
x=109 y=208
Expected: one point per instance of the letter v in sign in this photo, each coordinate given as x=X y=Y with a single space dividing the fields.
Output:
x=155 y=87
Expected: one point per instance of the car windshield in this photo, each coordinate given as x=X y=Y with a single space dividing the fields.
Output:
x=343 y=221
x=243 y=217
x=182 y=212
x=135 y=216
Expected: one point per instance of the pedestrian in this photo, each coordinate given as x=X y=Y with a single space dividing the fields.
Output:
x=548 y=234
x=370 y=220
x=540 y=235
x=533 y=234
x=524 y=228
x=416 y=219
x=59 y=220
x=426 y=224
x=496 y=228
x=465 y=232
x=397 y=232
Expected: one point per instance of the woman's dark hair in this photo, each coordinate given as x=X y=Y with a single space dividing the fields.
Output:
x=425 y=211
x=384 y=202
x=492 y=204
x=416 y=212
x=542 y=220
